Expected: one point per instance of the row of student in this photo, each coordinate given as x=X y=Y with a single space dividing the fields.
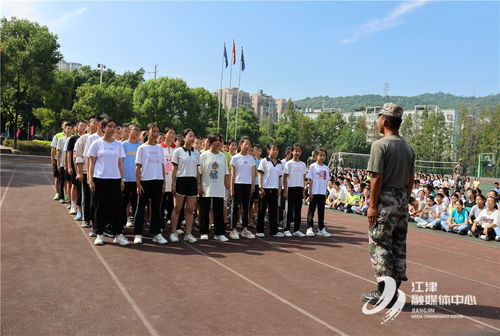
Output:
x=100 y=160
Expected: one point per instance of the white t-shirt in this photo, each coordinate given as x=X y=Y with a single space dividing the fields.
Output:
x=296 y=172
x=270 y=173
x=61 y=145
x=475 y=211
x=90 y=141
x=187 y=161
x=168 y=152
x=432 y=210
x=54 y=141
x=213 y=169
x=320 y=176
x=79 y=148
x=151 y=159
x=244 y=167
x=440 y=208
x=107 y=155
x=486 y=219
x=341 y=195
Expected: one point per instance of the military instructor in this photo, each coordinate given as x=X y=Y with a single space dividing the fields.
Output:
x=392 y=167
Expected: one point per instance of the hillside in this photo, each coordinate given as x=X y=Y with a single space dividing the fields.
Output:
x=444 y=100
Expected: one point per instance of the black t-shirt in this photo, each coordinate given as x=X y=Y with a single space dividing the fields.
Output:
x=469 y=205
x=71 y=148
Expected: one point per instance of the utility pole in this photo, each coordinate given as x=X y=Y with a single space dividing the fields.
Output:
x=387 y=88
x=155 y=71
x=101 y=67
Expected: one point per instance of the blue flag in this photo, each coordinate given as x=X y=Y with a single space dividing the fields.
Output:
x=225 y=55
x=242 y=61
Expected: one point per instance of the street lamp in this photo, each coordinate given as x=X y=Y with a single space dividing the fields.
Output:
x=101 y=67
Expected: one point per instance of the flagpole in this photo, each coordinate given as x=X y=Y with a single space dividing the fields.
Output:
x=238 y=97
x=220 y=93
x=230 y=78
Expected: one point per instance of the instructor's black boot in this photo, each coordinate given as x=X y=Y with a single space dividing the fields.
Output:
x=374 y=296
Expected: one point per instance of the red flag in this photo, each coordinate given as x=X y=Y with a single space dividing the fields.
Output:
x=32 y=130
x=234 y=53
x=18 y=132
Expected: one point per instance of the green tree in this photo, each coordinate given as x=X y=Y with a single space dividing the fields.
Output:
x=204 y=118
x=29 y=54
x=326 y=129
x=248 y=123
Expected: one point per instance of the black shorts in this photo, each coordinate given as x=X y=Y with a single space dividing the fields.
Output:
x=73 y=179
x=255 y=195
x=56 y=171
x=67 y=177
x=186 y=186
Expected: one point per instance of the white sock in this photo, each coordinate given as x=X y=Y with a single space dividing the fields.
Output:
x=73 y=203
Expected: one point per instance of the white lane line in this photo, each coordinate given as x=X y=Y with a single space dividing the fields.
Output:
x=363 y=278
x=131 y=301
x=459 y=254
x=433 y=268
x=276 y=296
x=7 y=188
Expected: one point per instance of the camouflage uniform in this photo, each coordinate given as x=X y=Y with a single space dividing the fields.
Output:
x=387 y=239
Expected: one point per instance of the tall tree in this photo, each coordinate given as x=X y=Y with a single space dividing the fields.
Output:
x=29 y=56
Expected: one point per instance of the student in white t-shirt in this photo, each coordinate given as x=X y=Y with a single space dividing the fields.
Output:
x=474 y=228
x=150 y=179
x=428 y=214
x=105 y=179
x=318 y=176
x=185 y=184
x=214 y=183
x=270 y=174
x=167 y=203
x=294 y=178
x=489 y=220
x=243 y=174
x=64 y=182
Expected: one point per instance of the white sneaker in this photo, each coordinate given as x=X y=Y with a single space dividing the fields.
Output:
x=99 y=240
x=287 y=233
x=497 y=238
x=174 y=238
x=234 y=234
x=260 y=235
x=72 y=210
x=299 y=234
x=183 y=222
x=247 y=234
x=204 y=237
x=159 y=239
x=278 y=235
x=324 y=233
x=190 y=238
x=485 y=237
x=121 y=239
x=130 y=222
x=221 y=238
x=138 y=239
x=168 y=222
x=179 y=231
x=469 y=233
x=310 y=232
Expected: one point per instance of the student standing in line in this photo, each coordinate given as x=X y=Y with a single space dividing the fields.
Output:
x=294 y=177
x=90 y=140
x=61 y=160
x=214 y=181
x=254 y=200
x=318 y=176
x=76 y=188
x=270 y=173
x=150 y=177
x=125 y=132
x=281 y=198
x=130 y=147
x=167 y=203
x=242 y=185
x=81 y=171
x=105 y=178
x=185 y=185
x=53 y=160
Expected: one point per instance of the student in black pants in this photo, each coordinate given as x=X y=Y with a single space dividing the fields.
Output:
x=150 y=177
x=105 y=179
x=270 y=172
x=294 y=177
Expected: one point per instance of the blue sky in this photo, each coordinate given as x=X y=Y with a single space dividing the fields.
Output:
x=292 y=49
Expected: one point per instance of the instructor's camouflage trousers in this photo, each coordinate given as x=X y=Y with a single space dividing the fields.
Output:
x=387 y=239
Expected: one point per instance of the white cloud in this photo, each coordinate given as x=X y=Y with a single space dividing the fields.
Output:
x=391 y=20
x=35 y=11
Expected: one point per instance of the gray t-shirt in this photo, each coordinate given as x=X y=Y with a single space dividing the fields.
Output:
x=392 y=157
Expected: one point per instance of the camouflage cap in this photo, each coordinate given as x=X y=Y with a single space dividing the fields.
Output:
x=392 y=110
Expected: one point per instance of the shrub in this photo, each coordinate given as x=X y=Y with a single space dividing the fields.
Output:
x=37 y=146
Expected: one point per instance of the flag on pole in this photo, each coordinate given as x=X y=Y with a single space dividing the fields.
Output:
x=234 y=53
x=32 y=130
x=225 y=55
x=18 y=133
x=242 y=60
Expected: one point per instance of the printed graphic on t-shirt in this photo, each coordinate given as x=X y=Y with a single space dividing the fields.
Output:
x=321 y=174
x=214 y=174
x=154 y=157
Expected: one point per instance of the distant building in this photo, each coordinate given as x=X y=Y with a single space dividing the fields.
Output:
x=68 y=66
x=280 y=106
x=229 y=98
